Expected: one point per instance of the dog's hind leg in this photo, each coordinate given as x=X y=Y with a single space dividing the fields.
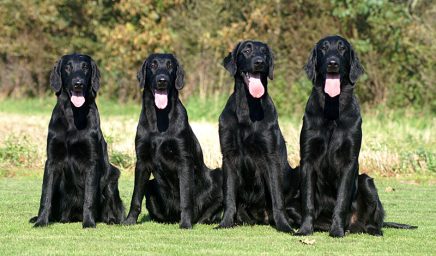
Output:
x=154 y=203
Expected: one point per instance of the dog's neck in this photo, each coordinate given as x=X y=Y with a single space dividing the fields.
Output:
x=248 y=108
x=79 y=115
x=332 y=107
x=159 y=117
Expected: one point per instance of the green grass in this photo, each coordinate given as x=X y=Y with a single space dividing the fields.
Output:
x=399 y=141
x=19 y=201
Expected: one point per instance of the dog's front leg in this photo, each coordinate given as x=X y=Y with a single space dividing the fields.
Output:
x=307 y=199
x=343 y=199
x=276 y=192
x=90 y=202
x=230 y=184
x=142 y=177
x=45 y=206
x=186 y=179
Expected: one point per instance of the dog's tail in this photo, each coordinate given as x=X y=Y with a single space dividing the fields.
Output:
x=398 y=225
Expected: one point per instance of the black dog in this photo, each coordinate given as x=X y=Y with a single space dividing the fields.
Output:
x=183 y=189
x=334 y=196
x=252 y=145
x=79 y=182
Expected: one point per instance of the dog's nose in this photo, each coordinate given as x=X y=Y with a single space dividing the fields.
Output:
x=259 y=62
x=332 y=64
x=162 y=81
x=78 y=84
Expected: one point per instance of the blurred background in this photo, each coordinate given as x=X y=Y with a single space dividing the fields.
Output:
x=395 y=40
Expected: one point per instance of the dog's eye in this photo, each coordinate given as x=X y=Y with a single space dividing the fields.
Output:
x=170 y=66
x=85 y=68
x=153 y=66
x=67 y=68
x=323 y=48
x=342 y=48
x=247 y=51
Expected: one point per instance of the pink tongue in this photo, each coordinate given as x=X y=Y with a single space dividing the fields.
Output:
x=77 y=99
x=161 y=98
x=255 y=86
x=333 y=84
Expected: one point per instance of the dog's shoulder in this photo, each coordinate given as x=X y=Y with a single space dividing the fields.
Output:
x=229 y=110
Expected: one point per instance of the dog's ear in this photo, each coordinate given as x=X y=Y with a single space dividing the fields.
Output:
x=310 y=67
x=356 y=69
x=270 y=63
x=142 y=74
x=180 y=75
x=95 y=76
x=230 y=61
x=55 y=78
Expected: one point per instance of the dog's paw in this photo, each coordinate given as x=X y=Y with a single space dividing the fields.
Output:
x=375 y=231
x=40 y=223
x=337 y=232
x=129 y=221
x=304 y=231
x=186 y=225
x=225 y=224
x=64 y=220
x=33 y=219
x=284 y=228
x=88 y=224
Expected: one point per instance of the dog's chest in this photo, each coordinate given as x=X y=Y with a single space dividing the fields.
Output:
x=77 y=144
x=166 y=156
x=253 y=140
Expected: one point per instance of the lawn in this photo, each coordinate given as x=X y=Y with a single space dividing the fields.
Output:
x=409 y=203
x=398 y=150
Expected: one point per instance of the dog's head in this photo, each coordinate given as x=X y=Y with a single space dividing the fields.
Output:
x=333 y=59
x=254 y=62
x=160 y=73
x=78 y=76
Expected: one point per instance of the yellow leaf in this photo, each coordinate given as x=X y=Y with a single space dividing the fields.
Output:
x=307 y=241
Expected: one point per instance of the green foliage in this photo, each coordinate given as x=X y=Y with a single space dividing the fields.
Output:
x=394 y=39
x=17 y=152
x=421 y=161
x=122 y=160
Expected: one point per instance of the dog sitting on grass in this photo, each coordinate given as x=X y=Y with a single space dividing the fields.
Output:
x=334 y=196
x=79 y=182
x=184 y=189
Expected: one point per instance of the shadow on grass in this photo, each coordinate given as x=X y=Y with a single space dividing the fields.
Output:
x=145 y=218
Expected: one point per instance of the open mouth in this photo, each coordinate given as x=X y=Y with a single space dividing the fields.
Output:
x=254 y=83
x=332 y=84
x=77 y=98
x=161 y=98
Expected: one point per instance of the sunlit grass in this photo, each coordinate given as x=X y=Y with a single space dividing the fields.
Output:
x=394 y=142
x=408 y=203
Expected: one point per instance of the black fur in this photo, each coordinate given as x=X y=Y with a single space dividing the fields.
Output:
x=252 y=145
x=79 y=182
x=183 y=189
x=335 y=197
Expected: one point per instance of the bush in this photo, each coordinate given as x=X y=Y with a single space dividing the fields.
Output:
x=394 y=39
